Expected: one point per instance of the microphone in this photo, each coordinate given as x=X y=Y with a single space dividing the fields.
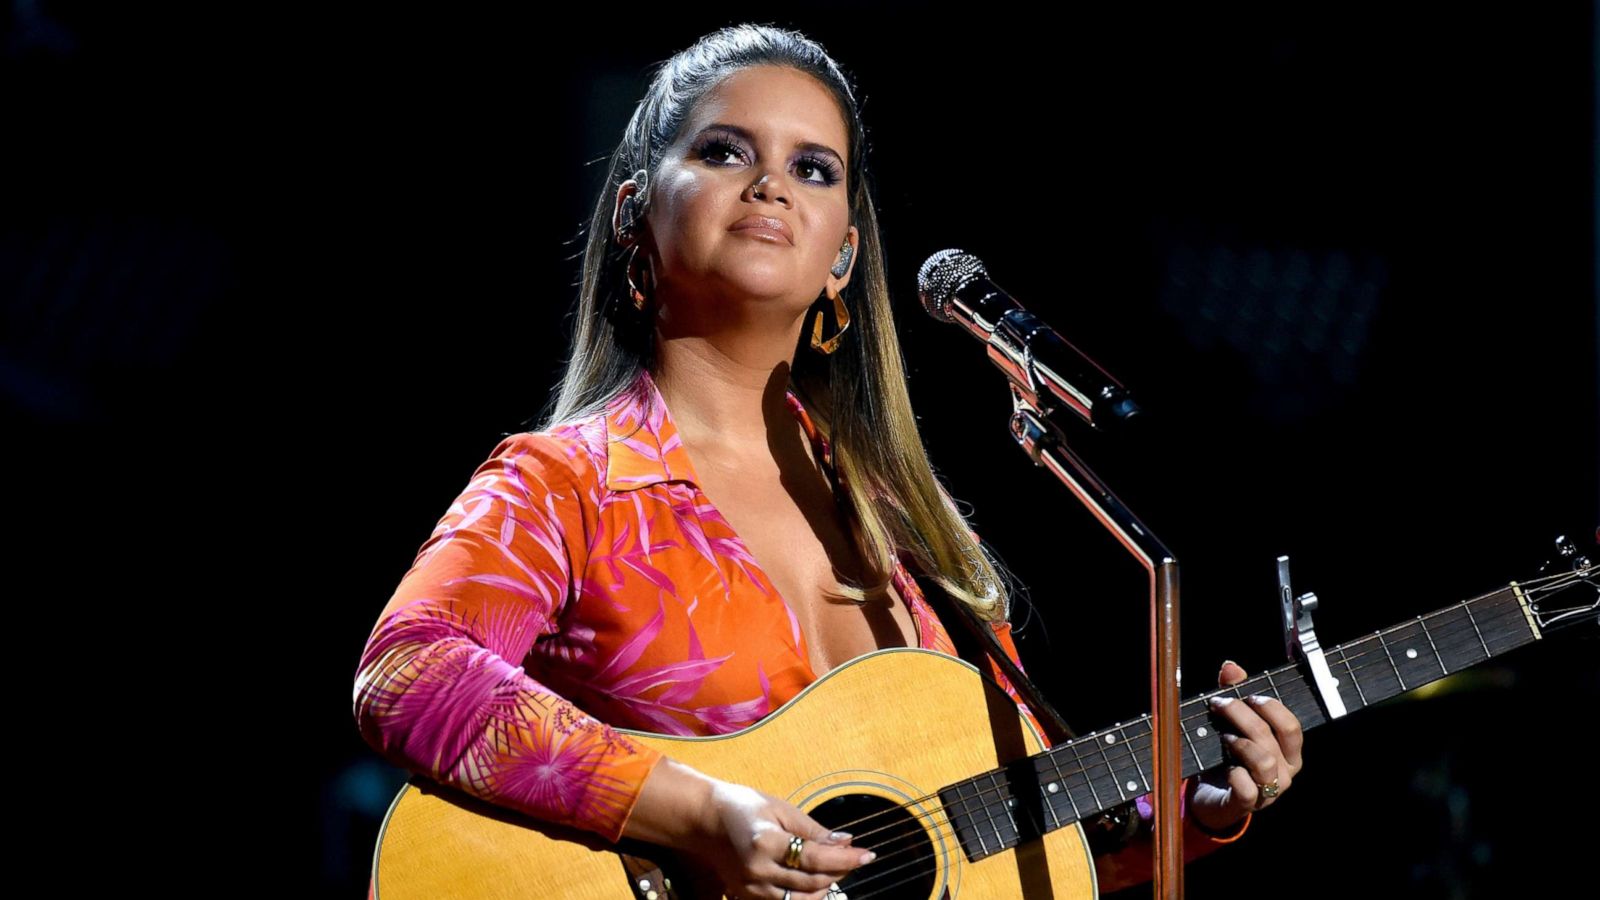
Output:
x=954 y=287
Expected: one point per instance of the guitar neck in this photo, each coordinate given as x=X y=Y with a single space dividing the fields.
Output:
x=1001 y=808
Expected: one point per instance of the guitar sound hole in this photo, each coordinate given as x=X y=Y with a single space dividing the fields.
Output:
x=906 y=867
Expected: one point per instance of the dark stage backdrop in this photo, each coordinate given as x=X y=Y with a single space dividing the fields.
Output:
x=275 y=280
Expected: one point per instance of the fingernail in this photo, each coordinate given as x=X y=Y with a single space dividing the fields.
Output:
x=1230 y=738
x=1220 y=702
x=1257 y=699
x=1228 y=662
x=839 y=836
x=867 y=857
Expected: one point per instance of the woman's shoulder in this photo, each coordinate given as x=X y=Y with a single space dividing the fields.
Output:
x=568 y=454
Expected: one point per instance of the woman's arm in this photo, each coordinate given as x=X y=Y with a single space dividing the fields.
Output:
x=439 y=690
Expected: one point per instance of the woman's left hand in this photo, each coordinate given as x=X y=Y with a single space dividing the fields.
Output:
x=1267 y=751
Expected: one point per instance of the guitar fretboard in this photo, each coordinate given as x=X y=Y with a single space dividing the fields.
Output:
x=999 y=809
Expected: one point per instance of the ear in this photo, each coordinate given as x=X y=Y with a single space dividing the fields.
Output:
x=627 y=189
x=836 y=283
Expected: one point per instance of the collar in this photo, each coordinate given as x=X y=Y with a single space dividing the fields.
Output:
x=642 y=442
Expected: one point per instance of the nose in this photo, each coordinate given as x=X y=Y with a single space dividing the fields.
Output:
x=768 y=188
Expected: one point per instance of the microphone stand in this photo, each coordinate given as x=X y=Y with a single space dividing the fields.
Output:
x=1043 y=440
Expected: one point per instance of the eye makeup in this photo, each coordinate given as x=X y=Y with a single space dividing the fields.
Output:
x=717 y=141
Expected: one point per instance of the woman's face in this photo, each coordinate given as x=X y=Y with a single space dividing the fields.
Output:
x=769 y=124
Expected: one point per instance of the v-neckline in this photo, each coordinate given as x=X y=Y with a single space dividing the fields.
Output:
x=821 y=455
x=755 y=565
x=804 y=652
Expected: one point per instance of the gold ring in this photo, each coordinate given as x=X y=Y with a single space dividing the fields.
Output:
x=793 y=858
x=1268 y=790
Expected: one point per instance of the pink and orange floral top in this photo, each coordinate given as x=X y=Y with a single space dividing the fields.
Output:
x=581 y=582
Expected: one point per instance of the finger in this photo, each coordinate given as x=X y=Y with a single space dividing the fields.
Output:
x=1259 y=764
x=1245 y=718
x=1251 y=719
x=804 y=880
x=1285 y=726
x=1244 y=793
x=822 y=857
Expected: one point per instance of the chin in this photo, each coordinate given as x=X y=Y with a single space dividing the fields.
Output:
x=764 y=285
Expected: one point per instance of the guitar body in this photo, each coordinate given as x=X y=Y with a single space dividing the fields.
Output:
x=879 y=735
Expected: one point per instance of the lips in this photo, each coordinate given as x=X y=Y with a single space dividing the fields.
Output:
x=767 y=225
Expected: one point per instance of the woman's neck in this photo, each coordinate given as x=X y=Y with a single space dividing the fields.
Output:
x=730 y=400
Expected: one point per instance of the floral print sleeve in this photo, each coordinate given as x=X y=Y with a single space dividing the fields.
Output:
x=441 y=689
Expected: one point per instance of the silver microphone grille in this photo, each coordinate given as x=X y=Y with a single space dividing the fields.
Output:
x=941 y=275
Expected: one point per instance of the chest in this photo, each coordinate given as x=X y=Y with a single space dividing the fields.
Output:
x=801 y=542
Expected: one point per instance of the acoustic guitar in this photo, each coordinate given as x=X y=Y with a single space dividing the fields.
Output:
x=959 y=797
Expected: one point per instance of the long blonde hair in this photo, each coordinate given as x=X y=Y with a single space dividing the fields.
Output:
x=857 y=396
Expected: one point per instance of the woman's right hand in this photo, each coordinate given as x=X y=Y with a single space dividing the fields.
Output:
x=749 y=833
x=740 y=835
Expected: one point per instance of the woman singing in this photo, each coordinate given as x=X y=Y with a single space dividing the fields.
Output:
x=728 y=500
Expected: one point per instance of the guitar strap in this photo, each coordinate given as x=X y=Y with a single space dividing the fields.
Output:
x=975 y=631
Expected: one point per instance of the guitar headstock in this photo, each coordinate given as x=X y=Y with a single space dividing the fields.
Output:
x=1566 y=591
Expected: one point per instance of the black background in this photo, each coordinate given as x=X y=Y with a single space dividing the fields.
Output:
x=276 y=280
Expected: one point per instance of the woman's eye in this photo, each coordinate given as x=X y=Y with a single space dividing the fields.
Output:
x=716 y=149
x=821 y=171
x=720 y=148
x=828 y=173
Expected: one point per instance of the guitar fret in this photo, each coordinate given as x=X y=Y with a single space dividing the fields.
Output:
x=1058 y=782
x=1188 y=739
x=1111 y=769
x=976 y=828
x=1066 y=785
x=988 y=809
x=1466 y=608
x=968 y=829
x=984 y=807
x=1135 y=757
x=1392 y=664
x=1350 y=671
x=1049 y=805
x=1127 y=747
x=1088 y=778
x=1423 y=624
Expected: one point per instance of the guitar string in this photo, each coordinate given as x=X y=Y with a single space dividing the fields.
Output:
x=1300 y=690
x=1248 y=684
x=915 y=831
x=1338 y=655
x=1125 y=754
x=1512 y=611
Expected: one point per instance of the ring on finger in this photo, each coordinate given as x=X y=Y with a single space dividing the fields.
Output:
x=792 y=858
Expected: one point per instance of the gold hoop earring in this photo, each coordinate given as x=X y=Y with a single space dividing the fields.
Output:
x=641 y=298
x=841 y=315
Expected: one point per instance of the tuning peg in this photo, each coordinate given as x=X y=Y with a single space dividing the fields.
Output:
x=1565 y=547
x=1568 y=558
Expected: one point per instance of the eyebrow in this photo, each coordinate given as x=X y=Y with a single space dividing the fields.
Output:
x=745 y=134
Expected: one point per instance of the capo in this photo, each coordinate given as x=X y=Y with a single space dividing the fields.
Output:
x=1300 y=642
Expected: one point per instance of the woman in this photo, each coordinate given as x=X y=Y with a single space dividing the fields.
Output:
x=734 y=313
